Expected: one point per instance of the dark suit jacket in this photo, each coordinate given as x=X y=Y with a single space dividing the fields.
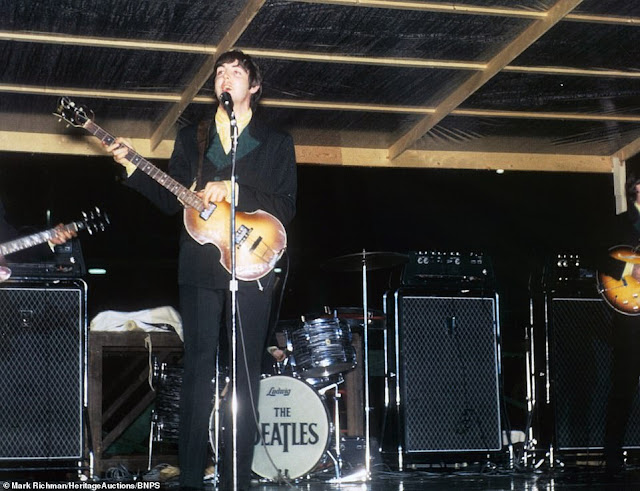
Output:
x=266 y=177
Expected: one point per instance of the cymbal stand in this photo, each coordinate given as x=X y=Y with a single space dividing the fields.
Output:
x=365 y=317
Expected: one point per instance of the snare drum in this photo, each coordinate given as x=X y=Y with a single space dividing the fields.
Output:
x=322 y=347
x=295 y=429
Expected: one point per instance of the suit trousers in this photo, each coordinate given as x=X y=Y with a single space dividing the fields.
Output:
x=204 y=314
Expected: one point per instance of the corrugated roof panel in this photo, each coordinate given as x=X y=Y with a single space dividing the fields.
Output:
x=353 y=83
x=529 y=136
x=363 y=31
x=186 y=21
x=609 y=7
x=585 y=45
x=334 y=122
x=34 y=113
x=95 y=68
x=531 y=5
x=558 y=93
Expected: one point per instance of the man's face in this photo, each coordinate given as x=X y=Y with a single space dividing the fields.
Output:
x=233 y=78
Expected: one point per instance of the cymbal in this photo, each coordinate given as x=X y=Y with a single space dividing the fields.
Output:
x=356 y=313
x=353 y=317
x=373 y=260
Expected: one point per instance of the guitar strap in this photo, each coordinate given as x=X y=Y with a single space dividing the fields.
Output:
x=203 y=144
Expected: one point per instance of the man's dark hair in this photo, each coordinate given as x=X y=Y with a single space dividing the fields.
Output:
x=633 y=179
x=246 y=62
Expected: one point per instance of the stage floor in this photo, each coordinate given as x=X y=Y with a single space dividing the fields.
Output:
x=543 y=480
x=476 y=477
x=489 y=480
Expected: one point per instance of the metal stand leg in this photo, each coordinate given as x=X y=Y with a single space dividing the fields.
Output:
x=367 y=405
x=214 y=420
x=336 y=426
x=151 y=433
x=337 y=458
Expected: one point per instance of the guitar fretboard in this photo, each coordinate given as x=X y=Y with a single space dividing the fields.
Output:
x=184 y=194
x=36 y=239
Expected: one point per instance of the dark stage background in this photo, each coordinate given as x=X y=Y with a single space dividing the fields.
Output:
x=519 y=219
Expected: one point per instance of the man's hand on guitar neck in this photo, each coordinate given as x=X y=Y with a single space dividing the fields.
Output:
x=119 y=149
x=63 y=234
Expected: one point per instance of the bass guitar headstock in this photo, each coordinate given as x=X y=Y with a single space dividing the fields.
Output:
x=68 y=111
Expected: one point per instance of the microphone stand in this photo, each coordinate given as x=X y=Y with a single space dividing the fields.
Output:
x=365 y=325
x=233 y=288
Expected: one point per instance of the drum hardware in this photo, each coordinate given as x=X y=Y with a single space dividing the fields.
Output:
x=324 y=384
x=364 y=262
x=164 y=417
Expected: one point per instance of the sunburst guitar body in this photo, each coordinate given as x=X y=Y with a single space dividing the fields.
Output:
x=624 y=294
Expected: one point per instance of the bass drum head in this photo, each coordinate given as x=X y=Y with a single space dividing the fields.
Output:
x=294 y=423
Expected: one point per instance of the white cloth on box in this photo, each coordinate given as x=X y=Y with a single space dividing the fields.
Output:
x=159 y=319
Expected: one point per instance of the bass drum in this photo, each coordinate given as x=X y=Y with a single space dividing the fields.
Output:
x=295 y=429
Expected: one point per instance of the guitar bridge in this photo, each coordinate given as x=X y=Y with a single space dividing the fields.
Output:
x=241 y=234
x=207 y=212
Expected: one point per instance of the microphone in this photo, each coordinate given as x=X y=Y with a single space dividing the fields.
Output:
x=227 y=102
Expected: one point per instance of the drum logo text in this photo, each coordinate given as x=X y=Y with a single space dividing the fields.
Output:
x=278 y=392
x=286 y=434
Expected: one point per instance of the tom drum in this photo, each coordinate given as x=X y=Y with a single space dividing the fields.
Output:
x=322 y=347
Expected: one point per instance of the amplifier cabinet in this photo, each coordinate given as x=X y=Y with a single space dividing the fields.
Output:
x=578 y=332
x=448 y=365
x=42 y=369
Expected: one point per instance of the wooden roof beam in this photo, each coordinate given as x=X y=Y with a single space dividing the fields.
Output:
x=441 y=159
x=628 y=151
x=239 y=25
x=67 y=144
x=459 y=94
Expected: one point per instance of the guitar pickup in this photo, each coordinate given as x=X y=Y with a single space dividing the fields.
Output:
x=255 y=244
x=207 y=212
x=241 y=234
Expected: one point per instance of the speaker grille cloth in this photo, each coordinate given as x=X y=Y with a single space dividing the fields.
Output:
x=580 y=369
x=41 y=373
x=449 y=374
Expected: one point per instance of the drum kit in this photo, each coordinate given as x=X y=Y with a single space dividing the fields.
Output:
x=298 y=407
